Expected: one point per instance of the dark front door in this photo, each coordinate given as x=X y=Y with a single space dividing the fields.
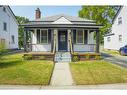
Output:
x=62 y=40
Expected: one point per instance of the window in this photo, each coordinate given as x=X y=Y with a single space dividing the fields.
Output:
x=5 y=26
x=120 y=20
x=80 y=37
x=12 y=39
x=108 y=39
x=4 y=9
x=120 y=37
x=42 y=36
x=38 y=36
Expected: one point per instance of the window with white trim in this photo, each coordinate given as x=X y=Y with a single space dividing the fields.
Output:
x=120 y=20
x=80 y=36
x=120 y=37
x=108 y=39
x=42 y=36
x=5 y=26
x=4 y=9
x=12 y=39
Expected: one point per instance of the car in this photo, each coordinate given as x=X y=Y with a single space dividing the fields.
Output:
x=123 y=50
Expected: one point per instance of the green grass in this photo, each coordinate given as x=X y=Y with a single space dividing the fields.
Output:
x=112 y=52
x=15 y=70
x=97 y=72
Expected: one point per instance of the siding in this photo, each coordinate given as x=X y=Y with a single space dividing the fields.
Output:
x=121 y=29
x=12 y=28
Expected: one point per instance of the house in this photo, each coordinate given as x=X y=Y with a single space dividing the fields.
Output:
x=117 y=37
x=8 y=28
x=61 y=33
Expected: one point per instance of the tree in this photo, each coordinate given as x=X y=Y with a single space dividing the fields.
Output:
x=21 y=20
x=103 y=15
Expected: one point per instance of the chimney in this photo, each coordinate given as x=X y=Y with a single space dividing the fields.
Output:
x=38 y=14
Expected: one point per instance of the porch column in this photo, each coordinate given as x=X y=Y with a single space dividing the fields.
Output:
x=55 y=40
x=97 y=41
x=24 y=40
x=69 y=39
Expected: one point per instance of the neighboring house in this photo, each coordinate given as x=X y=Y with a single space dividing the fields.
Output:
x=62 y=33
x=8 y=28
x=117 y=37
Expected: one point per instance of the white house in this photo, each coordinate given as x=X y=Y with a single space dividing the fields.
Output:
x=8 y=28
x=62 y=33
x=117 y=37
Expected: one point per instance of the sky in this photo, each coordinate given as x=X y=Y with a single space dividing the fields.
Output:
x=29 y=11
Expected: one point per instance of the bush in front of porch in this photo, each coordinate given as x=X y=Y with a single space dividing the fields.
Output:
x=97 y=72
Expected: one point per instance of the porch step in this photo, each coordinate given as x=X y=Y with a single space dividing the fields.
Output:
x=63 y=57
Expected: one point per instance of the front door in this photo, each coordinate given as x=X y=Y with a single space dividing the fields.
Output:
x=62 y=40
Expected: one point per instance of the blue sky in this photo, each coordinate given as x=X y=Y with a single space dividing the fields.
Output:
x=29 y=11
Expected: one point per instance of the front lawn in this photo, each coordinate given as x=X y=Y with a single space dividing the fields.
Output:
x=97 y=72
x=15 y=70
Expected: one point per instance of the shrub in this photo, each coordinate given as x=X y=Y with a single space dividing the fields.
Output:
x=75 y=58
x=87 y=56
x=28 y=57
x=97 y=57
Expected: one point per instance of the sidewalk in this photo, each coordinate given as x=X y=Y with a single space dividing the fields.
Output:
x=61 y=75
x=118 y=86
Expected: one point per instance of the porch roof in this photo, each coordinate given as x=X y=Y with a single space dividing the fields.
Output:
x=74 y=22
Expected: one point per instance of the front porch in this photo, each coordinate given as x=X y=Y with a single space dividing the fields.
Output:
x=48 y=41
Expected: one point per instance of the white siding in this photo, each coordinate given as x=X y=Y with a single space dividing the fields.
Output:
x=62 y=20
x=40 y=47
x=86 y=48
x=12 y=28
x=118 y=29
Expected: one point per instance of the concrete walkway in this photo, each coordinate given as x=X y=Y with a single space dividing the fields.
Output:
x=61 y=75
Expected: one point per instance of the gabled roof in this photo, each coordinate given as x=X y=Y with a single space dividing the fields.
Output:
x=56 y=17
x=54 y=21
x=119 y=10
x=11 y=12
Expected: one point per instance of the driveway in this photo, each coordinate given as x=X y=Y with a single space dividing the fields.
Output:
x=119 y=60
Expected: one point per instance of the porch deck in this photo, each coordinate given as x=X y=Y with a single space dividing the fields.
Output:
x=39 y=56
x=82 y=56
x=38 y=53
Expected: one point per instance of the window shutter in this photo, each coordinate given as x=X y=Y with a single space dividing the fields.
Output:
x=74 y=36
x=85 y=36
x=49 y=35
